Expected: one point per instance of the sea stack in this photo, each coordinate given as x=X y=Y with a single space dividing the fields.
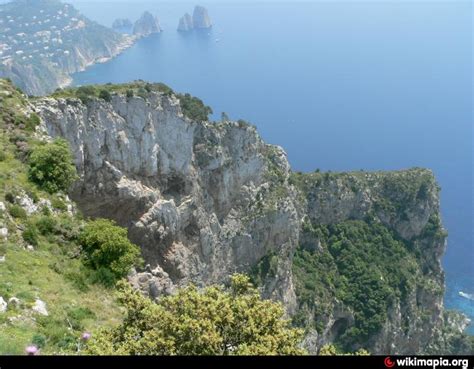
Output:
x=201 y=18
x=146 y=25
x=122 y=23
x=186 y=23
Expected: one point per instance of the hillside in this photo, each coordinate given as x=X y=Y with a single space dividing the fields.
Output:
x=42 y=42
x=354 y=257
x=38 y=249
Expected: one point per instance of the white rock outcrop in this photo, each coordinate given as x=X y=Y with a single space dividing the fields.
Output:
x=27 y=203
x=39 y=307
x=3 y=305
x=3 y=233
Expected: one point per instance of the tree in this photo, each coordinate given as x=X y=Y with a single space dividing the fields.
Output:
x=85 y=93
x=194 y=108
x=212 y=321
x=51 y=166
x=105 y=95
x=107 y=247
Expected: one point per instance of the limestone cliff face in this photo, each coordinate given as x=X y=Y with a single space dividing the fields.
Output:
x=146 y=25
x=184 y=189
x=204 y=200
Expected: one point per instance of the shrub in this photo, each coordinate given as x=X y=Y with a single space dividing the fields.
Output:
x=129 y=94
x=51 y=166
x=46 y=210
x=32 y=122
x=58 y=204
x=212 y=321
x=30 y=235
x=103 y=276
x=161 y=87
x=10 y=197
x=46 y=225
x=108 y=247
x=16 y=211
x=3 y=155
x=105 y=95
x=56 y=331
x=77 y=315
x=142 y=93
x=194 y=108
x=79 y=279
x=39 y=340
x=85 y=93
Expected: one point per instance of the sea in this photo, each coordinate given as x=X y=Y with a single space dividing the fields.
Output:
x=340 y=85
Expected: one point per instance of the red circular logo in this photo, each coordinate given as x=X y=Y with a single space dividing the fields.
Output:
x=388 y=362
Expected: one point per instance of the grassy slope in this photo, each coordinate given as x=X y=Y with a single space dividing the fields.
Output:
x=52 y=272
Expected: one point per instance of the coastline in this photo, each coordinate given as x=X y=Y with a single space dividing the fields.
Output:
x=129 y=41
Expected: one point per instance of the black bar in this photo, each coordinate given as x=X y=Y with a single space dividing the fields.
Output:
x=168 y=362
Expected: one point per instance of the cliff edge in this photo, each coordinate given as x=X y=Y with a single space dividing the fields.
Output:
x=355 y=257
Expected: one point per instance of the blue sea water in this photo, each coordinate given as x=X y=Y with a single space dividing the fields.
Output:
x=340 y=85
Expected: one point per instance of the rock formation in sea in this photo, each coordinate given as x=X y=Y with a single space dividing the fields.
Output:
x=201 y=18
x=146 y=25
x=122 y=23
x=354 y=257
x=186 y=23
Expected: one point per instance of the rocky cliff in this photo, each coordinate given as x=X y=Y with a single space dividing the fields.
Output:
x=355 y=257
x=146 y=25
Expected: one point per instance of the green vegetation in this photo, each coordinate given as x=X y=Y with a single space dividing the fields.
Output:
x=400 y=191
x=213 y=321
x=17 y=212
x=105 y=95
x=331 y=350
x=108 y=249
x=54 y=271
x=267 y=267
x=396 y=190
x=363 y=265
x=30 y=235
x=194 y=108
x=42 y=273
x=105 y=92
x=52 y=167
